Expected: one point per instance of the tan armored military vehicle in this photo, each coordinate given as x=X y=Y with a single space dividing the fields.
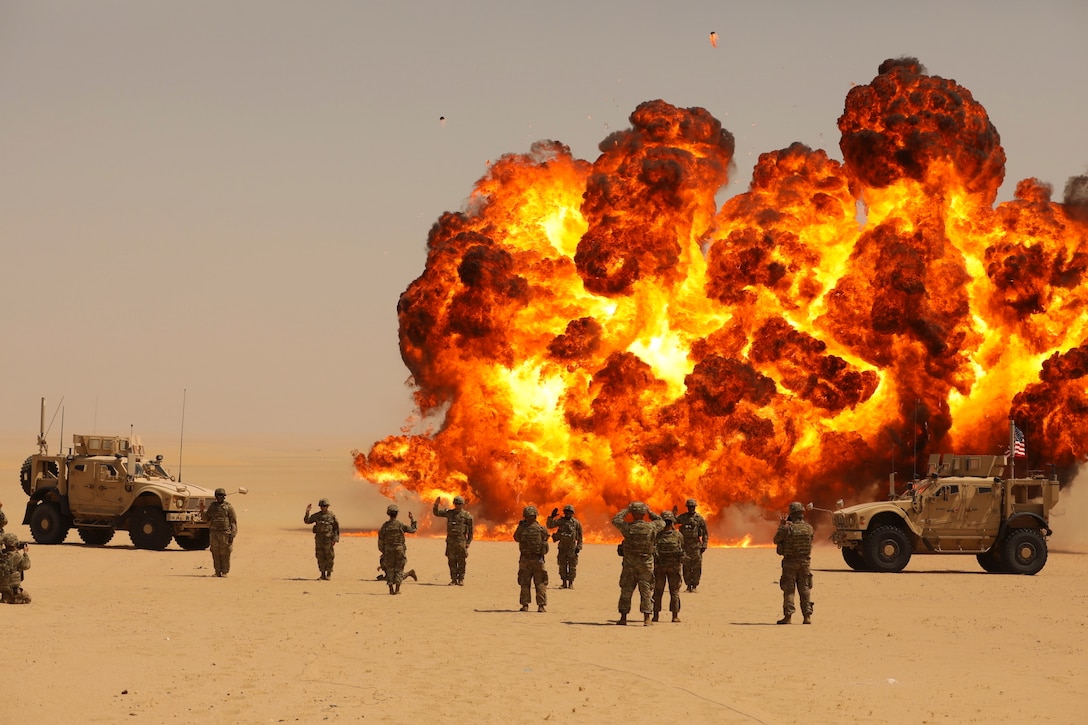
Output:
x=964 y=506
x=106 y=484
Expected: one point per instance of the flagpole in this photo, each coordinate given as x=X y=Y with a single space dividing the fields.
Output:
x=1012 y=447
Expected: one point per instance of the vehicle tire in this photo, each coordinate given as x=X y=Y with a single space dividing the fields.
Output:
x=95 y=536
x=47 y=524
x=148 y=529
x=197 y=542
x=854 y=559
x=991 y=562
x=887 y=548
x=24 y=474
x=1024 y=552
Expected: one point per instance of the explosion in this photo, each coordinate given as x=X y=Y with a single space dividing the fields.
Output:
x=598 y=333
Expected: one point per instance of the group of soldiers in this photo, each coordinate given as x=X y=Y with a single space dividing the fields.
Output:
x=657 y=550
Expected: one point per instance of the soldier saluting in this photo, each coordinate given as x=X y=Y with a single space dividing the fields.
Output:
x=458 y=536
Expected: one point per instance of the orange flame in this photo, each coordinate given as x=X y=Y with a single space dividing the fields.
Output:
x=597 y=333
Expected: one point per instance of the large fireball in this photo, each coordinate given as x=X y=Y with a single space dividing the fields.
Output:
x=597 y=333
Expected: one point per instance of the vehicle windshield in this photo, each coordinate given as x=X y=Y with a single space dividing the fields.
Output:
x=153 y=469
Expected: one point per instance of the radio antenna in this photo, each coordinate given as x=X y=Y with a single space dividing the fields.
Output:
x=181 y=442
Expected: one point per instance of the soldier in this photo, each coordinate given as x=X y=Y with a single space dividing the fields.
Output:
x=393 y=548
x=693 y=527
x=458 y=536
x=326 y=535
x=569 y=538
x=532 y=541
x=793 y=541
x=638 y=558
x=668 y=561
x=224 y=527
x=14 y=560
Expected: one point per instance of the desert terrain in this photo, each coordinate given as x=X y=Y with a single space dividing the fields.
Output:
x=116 y=634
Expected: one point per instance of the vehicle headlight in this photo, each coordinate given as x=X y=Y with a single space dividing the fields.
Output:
x=179 y=502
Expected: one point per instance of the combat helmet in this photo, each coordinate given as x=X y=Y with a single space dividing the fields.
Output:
x=569 y=508
x=529 y=511
x=392 y=509
x=10 y=540
x=691 y=503
x=668 y=515
x=323 y=502
x=220 y=492
x=797 y=508
x=637 y=507
x=458 y=499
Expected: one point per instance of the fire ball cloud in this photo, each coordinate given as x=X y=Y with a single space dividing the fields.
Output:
x=594 y=333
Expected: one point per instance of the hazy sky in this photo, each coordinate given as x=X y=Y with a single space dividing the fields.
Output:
x=227 y=198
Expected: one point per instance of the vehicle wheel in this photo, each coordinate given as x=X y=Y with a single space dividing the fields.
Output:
x=149 y=530
x=887 y=549
x=95 y=536
x=198 y=541
x=991 y=562
x=47 y=524
x=1024 y=552
x=854 y=559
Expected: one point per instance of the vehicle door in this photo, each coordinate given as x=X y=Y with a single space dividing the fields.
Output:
x=941 y=510
x=981 y=510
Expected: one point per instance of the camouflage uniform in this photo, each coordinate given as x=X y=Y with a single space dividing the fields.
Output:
x=693 y=527
x=13 y=562
x=668 y=562
x=3 y=518
x=638 y=559
x=458 y=538
x=326 y=535
x=394 y=549
x=224 y=527
x=569 y=537
x=793 y=541
x=532 y=541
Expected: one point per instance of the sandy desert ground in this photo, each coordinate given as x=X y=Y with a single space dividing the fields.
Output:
x=121 y=635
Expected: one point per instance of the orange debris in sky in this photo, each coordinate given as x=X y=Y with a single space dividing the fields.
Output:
x=597 y=332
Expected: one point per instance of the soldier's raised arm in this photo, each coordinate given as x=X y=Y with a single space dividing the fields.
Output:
x=435 y=510
x=657 y=521
x=618 y=519
x=413 y=527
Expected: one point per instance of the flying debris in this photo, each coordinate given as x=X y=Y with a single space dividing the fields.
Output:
x=442 y=120
x=714 y=39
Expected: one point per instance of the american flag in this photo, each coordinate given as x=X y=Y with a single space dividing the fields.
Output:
x=1019 y=450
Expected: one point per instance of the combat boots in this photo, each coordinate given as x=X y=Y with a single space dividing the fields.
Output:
x=675 y=617
x=655 y=617
x=412 y=573
x=540 y=608
x=646 y=619
x=807 y=619
x=623 y=619
x=785 y=619
x=524 y=608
